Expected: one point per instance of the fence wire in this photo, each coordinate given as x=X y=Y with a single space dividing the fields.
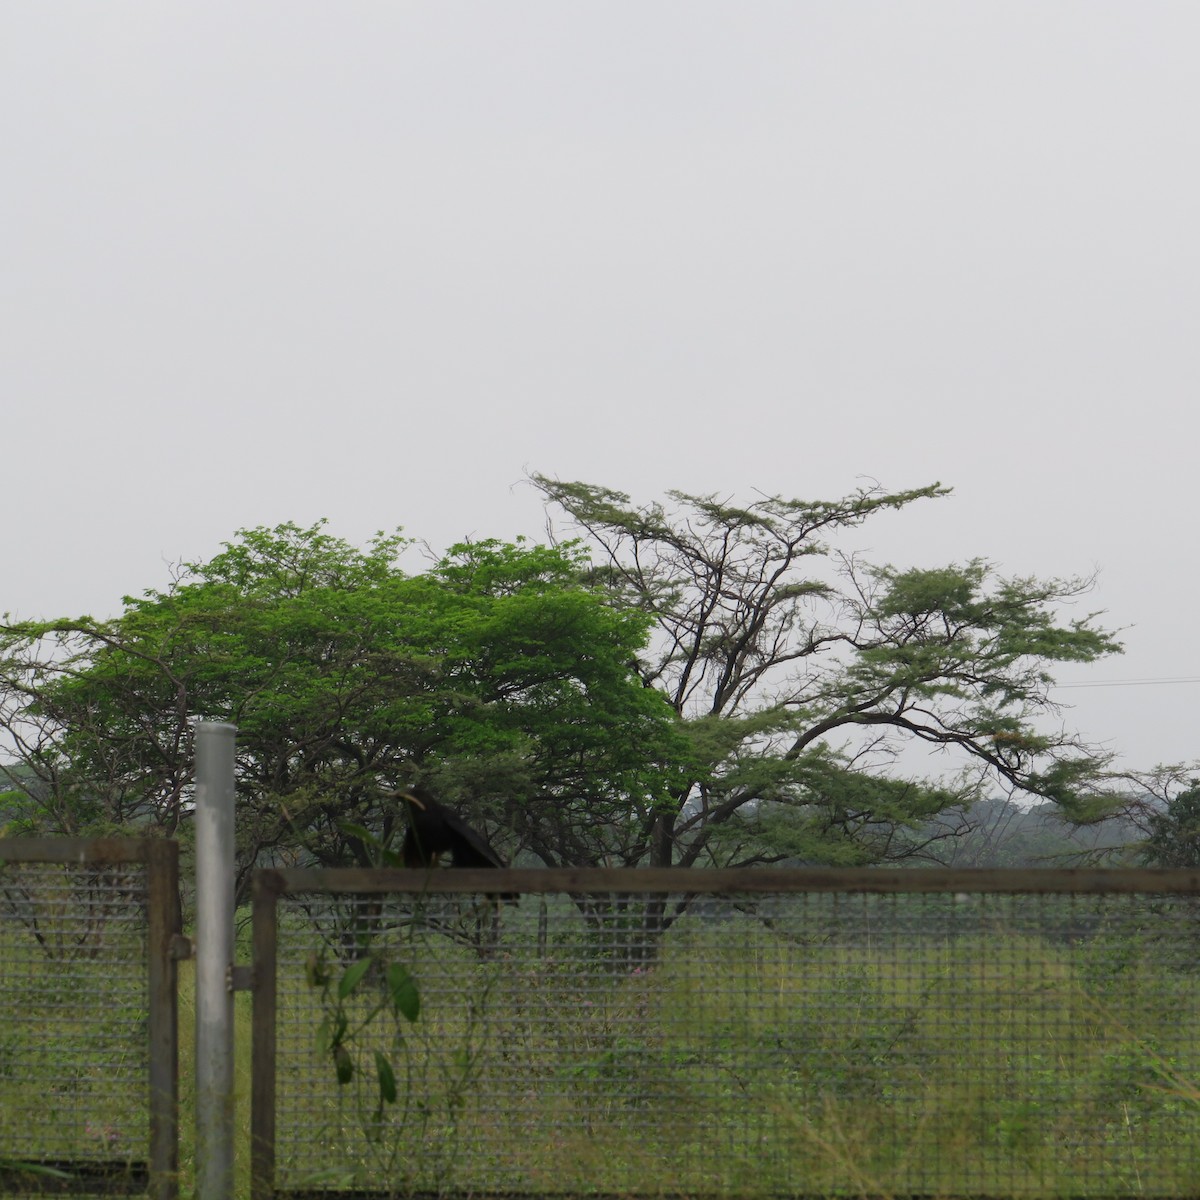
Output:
x=740 y=1045
x=74 y=1047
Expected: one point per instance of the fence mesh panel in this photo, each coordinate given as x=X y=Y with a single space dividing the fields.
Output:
x=741 y=1045
x=73 y=1013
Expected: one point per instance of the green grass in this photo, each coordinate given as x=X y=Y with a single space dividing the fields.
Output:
x=73 y=1055
x=742 y=1061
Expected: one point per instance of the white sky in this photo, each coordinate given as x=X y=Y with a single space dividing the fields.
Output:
x=370 y=261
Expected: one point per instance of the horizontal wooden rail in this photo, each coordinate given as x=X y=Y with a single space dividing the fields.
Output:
x=76 y=850
x=682 y=880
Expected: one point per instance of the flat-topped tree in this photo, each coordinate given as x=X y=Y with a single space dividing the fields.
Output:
x=800 y=673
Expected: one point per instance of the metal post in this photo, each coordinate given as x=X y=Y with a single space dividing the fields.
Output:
x=262 y=1086
x=162 y=871
x=214 y=960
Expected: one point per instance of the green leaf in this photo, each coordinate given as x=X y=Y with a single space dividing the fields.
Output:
x=353 y=977
x=351 y=829
x=32 y=1168
x=406 y=999
x=344 y=1064
x=387 y=1079
x=391 y=858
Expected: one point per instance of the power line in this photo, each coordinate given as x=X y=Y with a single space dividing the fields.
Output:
x=1130 y=682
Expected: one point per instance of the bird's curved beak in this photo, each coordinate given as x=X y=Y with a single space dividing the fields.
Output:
x=410 y=798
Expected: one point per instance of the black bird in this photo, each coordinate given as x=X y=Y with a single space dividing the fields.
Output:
x=433 y=830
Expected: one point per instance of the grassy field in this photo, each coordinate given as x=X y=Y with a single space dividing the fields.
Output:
x=746 y=1060
x=742 y=1059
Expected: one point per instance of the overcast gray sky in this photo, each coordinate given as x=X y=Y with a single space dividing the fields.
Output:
x=371 y=261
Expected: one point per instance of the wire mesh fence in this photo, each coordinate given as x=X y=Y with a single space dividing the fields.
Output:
x=87 y=1054
x=764 y=1034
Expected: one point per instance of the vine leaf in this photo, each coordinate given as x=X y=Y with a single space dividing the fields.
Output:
x=406 y=999
x=387 y=1079
x=353 y=977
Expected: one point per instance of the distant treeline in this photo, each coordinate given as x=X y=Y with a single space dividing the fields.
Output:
x=1000 y=833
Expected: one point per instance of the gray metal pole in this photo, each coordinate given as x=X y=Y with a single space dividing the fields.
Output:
x=214 y=960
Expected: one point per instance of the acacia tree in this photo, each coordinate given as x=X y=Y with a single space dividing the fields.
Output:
x=800 y=673
x=494 y=676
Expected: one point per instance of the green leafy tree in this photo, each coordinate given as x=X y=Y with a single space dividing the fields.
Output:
x=1174 y=831
x=799 y=673
x=497 y=676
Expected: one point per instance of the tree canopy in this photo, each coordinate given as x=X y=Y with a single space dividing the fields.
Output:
x=495 y=676
x=689 y=682
x=799 y=672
